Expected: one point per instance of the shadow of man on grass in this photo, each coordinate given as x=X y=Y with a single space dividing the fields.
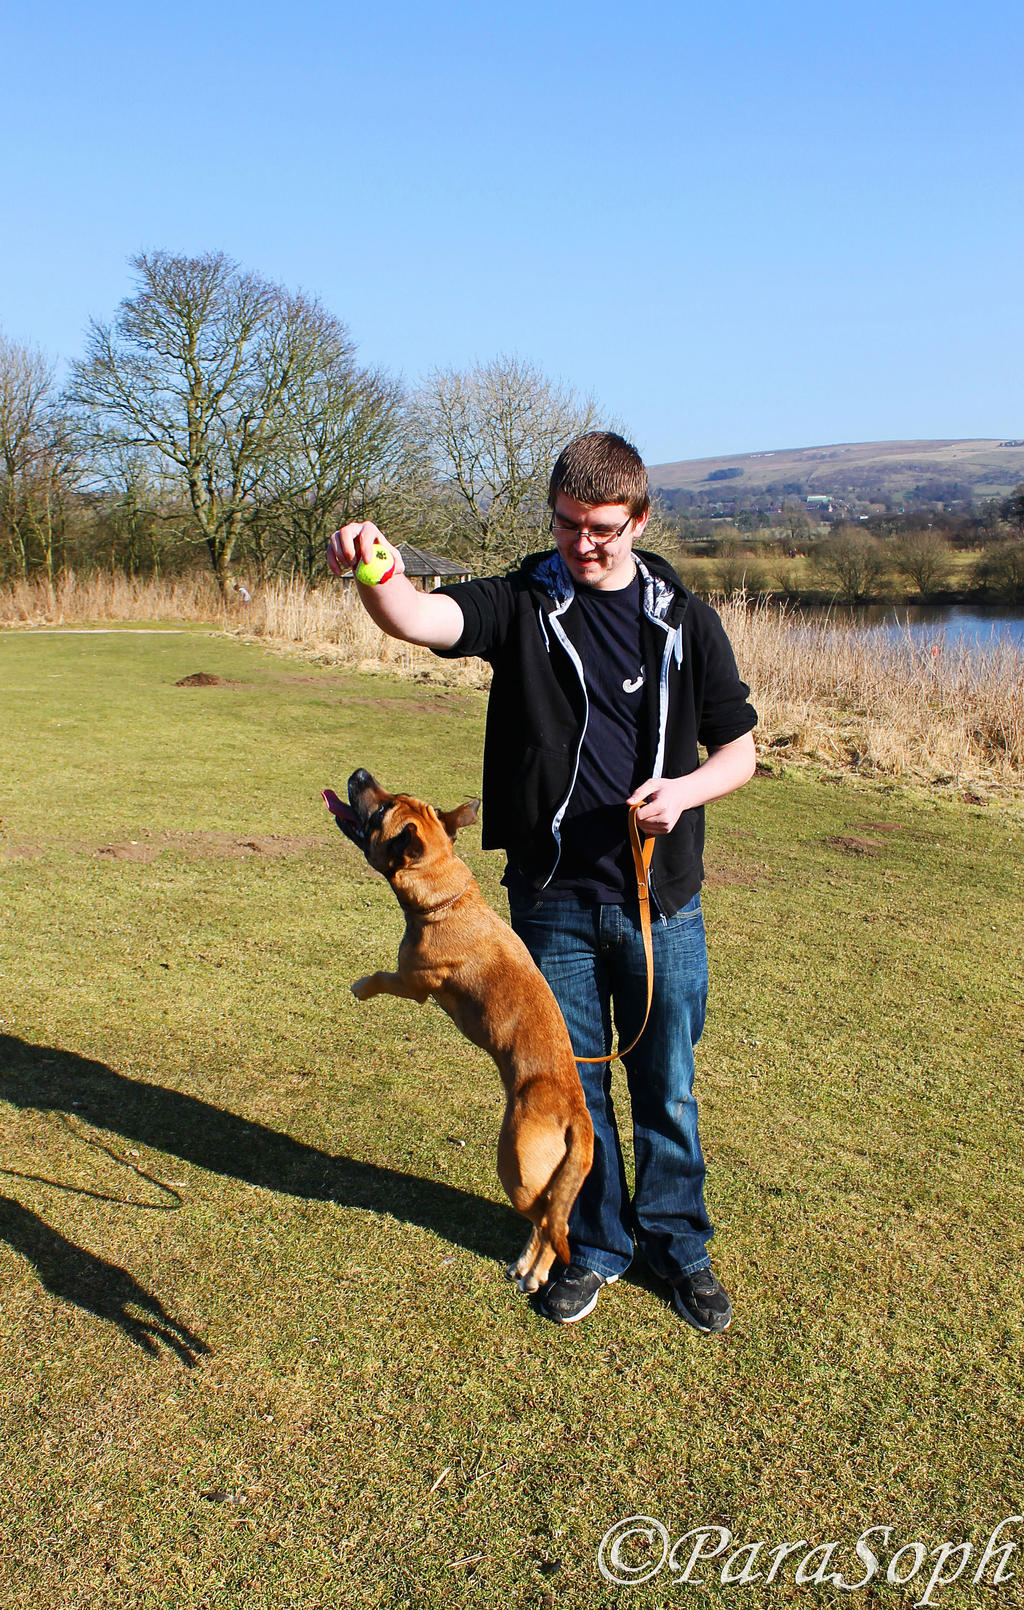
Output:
x=46 y=1079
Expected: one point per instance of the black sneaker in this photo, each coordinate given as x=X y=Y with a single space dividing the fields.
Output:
x=702 y=1301
x=572 y=1293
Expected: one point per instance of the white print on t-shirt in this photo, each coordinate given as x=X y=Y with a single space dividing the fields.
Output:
x=634 y=686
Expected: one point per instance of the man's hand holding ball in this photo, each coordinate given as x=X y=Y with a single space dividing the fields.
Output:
x=359 y=546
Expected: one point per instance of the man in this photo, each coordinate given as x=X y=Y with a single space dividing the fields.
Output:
x=607 y=674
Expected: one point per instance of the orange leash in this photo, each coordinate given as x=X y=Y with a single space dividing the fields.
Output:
x=642 y=849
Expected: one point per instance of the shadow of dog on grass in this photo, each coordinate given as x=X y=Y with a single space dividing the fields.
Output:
x=46 y=1079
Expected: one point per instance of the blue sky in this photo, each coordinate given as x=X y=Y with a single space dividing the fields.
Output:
x=738 y=227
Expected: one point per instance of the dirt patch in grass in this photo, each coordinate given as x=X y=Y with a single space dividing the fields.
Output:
x=723 y=872
x=206 y=844
x=129 y=852
x=146 y=849
x=296 y=678
x=440 y=705
x=862 y=838
x=202 y=679
x=851 y=844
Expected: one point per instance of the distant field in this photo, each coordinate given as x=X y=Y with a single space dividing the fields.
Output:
x=848 y=467
x=256 y=1348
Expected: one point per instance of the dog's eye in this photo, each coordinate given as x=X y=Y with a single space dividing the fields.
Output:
x=373 y=822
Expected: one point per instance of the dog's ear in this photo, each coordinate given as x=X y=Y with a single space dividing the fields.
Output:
x=462 y=816
x=406 y=846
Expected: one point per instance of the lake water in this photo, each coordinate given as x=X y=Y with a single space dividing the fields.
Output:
x=974 y=624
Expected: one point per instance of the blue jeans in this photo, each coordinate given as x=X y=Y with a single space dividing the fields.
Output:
x=592 y=956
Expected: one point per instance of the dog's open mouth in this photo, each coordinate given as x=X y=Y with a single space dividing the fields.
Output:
x=345 y=817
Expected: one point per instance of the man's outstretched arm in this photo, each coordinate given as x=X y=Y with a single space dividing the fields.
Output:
x=432 y=620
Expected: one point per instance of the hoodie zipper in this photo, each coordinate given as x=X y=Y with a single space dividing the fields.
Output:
x=673 y=647
x=673 y=650
x=559 y=631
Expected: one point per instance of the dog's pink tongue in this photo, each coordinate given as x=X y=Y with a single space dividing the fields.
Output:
x=337 y=807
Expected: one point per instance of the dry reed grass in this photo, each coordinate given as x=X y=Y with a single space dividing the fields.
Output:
x=329 y=624
x=111 y=596
x=826 y=692
x=879 y=704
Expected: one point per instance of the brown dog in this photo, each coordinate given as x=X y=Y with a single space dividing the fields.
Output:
x=456 y=949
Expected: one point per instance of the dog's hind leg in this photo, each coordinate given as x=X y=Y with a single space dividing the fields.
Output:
x=522 y=1174
x=564 y=1185
x=521 y=1266
x=551 y=1209
x=542 y=1165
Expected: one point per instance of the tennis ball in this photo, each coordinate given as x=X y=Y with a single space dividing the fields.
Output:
x=379 y=567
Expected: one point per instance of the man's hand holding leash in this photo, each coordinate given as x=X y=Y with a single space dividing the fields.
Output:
x=663 y=800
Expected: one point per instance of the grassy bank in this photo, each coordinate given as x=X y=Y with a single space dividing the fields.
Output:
x=768 y=568
x=256 y=1347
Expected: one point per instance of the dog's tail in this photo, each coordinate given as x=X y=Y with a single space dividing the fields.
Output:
x=564 y=1184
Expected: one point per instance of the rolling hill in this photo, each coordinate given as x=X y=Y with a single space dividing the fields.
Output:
x=860 y=470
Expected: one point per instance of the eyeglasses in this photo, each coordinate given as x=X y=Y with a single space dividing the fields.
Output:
x=601 y=536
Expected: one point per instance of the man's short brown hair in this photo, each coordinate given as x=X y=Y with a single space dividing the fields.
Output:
x=601 y=467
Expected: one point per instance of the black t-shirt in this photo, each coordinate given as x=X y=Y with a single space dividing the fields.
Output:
x=596 y=861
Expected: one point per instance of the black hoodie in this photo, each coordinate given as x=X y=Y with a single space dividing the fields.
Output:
x=523 y=625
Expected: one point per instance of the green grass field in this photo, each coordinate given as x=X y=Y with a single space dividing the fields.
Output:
x=257 y=1347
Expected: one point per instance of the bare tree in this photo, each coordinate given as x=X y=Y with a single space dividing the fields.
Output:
x=794 y=521
x=1001 y=570
x=922 y=557
x=199 y=367
x=343 y=447
x=853 y=561
x=140 y=520
x=1012 y=512
x=37 y=462
x=491 y=436
x=738 y=569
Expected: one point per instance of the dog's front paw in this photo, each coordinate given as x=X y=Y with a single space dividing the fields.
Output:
x=362 y=989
